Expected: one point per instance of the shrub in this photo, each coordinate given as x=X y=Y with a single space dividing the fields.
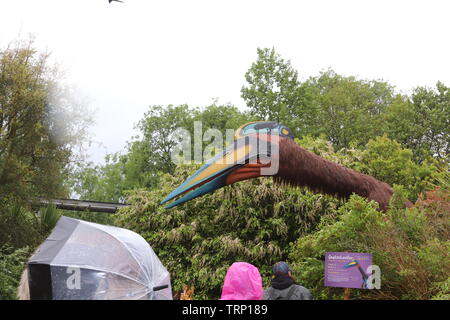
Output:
x=48 y=217
x=19 y=227
x=12 y=263
x=410 y=245
x=252 y=221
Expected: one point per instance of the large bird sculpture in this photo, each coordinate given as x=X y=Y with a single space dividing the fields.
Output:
x=245 y=159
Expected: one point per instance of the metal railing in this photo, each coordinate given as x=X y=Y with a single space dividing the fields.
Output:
x=81 y=205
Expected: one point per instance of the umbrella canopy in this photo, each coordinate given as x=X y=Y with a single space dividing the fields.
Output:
x=87 y=261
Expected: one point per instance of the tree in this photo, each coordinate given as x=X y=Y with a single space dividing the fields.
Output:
x=221 y=117
x=421 y=122
x=346 y=110
x=100 y=182
x=39 y=125
x=386 y=160
x=271 y=92
x=149 y=154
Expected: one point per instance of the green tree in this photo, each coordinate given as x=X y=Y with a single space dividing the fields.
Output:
x=149 y=154
x=39 y=125
x=346 y=110
x=221 y=117
x=421 y=122
x=386 y=160
x=271 y=89
x=100 y=182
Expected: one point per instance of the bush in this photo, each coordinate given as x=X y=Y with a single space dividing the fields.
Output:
x=409 y=245
x=12 y=263
x=48 y=217
x=387 y=161
x=19 y=227
x=252 y=221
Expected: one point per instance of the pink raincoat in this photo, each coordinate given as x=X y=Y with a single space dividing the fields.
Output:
x=242 y=282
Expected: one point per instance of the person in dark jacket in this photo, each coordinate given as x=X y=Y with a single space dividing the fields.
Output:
x=283 y=286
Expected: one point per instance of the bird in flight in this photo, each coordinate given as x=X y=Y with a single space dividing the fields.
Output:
x=114 y=0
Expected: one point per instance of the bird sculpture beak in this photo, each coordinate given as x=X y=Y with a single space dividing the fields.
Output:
x=240 y=161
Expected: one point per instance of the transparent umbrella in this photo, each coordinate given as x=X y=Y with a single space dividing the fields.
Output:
x=87 y=261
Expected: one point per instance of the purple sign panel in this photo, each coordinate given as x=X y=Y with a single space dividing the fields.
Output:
x=347 y=269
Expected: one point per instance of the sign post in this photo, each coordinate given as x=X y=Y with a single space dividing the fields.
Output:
x=346 y=293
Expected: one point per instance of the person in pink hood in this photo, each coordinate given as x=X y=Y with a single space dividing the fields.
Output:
x=242 y=282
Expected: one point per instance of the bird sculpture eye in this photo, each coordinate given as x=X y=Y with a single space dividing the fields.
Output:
x=264 y=127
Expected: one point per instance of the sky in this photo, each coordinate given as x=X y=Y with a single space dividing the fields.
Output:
x=124 y=57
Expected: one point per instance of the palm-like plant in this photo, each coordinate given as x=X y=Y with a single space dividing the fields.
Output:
x=48 y=217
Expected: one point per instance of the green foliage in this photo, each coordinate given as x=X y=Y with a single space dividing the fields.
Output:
x=95 y=217
x=410 y=246
x=39 y=125
x=420 y=122
x=252 y=221
x=100 y=182
x=443 y=290
x=18 y=226
x=345 y=109
x=272 y=87
x=387 y=161
x=149 y=154
x=221 y=117
x=157 y=128
x=12 y=263
x=48 y=217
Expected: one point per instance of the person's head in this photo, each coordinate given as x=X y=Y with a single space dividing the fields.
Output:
x=281 y=268
x=242 y=282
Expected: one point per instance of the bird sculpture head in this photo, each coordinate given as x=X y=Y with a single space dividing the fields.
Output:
x=254 y=148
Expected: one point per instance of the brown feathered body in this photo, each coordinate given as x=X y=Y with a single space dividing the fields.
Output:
x=301 y=167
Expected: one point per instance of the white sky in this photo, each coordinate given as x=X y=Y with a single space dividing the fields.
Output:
x=127 y=56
